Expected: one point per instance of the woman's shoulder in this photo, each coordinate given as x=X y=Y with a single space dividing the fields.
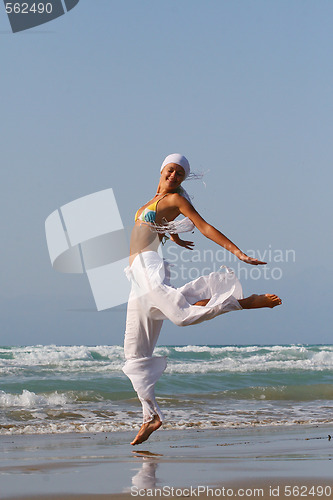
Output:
x=174 y=198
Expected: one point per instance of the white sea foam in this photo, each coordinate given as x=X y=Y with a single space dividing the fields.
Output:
x=255 y=414
x=110 y=359
x=252 y=359
x=63 y=358
x=31 y=400
x=52 y=354
x=215 y=350
x=82 y=389
x=254 y=364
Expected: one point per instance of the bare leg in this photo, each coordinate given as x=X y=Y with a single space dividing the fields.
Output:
x=202 y=302
x=257 y=301
x=146 y=430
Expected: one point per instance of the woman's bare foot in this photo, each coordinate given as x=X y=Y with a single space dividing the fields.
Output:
x=146 y=430
x=256 y=301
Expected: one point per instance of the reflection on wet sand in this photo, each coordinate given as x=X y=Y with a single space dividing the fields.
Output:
x=145 y=478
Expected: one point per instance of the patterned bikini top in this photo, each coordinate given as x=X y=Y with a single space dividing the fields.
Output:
x=148 y=214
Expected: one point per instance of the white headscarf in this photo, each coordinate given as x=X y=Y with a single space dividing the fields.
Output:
x=179 y=160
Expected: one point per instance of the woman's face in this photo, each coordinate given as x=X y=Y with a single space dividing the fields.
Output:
x=172 y=176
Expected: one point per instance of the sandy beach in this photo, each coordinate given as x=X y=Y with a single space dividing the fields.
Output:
x=280 y=462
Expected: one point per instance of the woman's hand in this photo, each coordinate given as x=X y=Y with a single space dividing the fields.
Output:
x=250 y=260
x=186 y=244
x=182 y=243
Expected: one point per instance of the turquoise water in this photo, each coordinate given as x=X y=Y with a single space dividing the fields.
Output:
x=55 y=389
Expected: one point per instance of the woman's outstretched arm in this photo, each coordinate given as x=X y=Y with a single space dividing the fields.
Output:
x=210 y=231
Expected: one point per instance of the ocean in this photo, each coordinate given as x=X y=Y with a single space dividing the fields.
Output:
x=59 y=389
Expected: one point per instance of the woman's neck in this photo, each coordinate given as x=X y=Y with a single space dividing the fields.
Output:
x=160 y=190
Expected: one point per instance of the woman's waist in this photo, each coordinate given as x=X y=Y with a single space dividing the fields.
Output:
x=145 y=258
x=148 y=268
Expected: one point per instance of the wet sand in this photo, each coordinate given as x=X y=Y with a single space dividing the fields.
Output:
x=251 y=462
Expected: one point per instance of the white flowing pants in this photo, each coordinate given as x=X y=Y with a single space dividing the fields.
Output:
x=153 y=299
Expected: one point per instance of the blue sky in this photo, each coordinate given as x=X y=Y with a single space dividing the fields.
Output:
x=98 y=97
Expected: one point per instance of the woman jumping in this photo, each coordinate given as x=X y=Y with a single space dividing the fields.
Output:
x=153 y=299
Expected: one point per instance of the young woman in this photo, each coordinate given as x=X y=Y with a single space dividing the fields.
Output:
x=153 y=299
